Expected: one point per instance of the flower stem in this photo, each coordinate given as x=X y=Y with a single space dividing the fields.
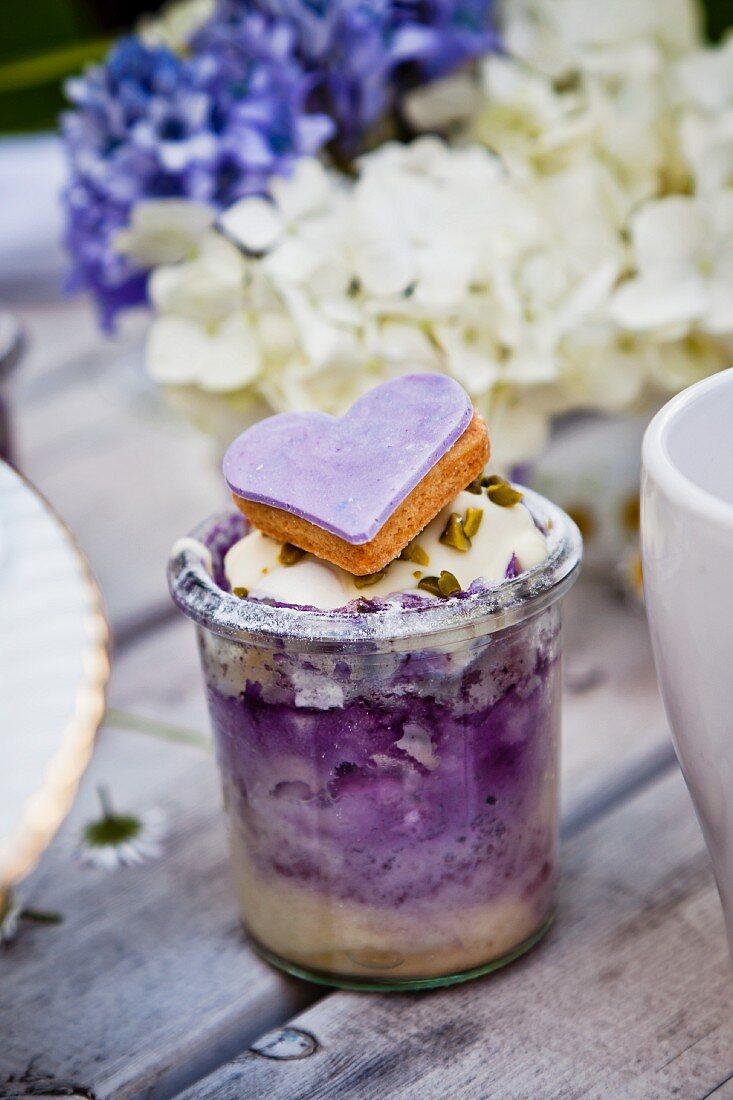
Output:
x=164 y=731
x=105 y=802
x=41 y=916
x=30 y=72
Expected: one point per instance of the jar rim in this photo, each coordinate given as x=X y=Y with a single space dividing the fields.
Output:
x=482 y=612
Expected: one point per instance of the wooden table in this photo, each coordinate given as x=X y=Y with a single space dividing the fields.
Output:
x=147 y=988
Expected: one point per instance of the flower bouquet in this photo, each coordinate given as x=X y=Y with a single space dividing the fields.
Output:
x=535 y=198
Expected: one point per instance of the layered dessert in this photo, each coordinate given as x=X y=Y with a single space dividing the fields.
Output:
x=388 y=742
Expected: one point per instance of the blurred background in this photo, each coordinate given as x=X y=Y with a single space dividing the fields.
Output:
x=44 y=41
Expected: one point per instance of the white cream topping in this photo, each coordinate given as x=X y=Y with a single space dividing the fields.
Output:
x=252 y=563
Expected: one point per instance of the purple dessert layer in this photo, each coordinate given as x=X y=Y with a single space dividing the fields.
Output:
x=411 y=790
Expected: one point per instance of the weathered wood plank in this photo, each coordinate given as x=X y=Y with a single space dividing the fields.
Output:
x=146 y=984
x=615 y=734
x=628 y=998
x=158 y=678
x=613 y=720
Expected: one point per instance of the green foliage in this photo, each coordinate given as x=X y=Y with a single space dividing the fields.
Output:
x=42 y=42
x=31 y=30
x=719 y=15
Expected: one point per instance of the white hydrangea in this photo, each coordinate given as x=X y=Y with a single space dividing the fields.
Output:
x=164 y=231
x=534 y=125
x=214 y=328
x=539 y=124
x=544 y=251
x=703 y=82
x=616 y=37
x=433 y=259
x=683 y=254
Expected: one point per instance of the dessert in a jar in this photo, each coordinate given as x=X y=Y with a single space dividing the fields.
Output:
x=388 y=740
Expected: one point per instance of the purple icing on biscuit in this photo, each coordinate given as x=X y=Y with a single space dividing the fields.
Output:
x=349 y=475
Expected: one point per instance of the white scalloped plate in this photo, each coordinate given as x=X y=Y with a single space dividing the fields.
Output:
x=54 y=667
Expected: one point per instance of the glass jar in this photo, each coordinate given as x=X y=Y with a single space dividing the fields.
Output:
x=390 y=776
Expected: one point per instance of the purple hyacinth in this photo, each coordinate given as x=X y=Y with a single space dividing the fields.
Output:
x=365 y=54
x=263 y=83
x=213 y=126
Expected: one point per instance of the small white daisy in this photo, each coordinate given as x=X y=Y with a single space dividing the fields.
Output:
x=122 y=840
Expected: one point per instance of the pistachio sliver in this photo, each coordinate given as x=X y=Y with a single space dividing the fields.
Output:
x=414 y=552
x=472 y=521
x=241 y=592
x=454 y=534
x=443 y=586
x=476 y=486
x=431 y=585
x=369 y=579
x=503 y=494
x=448 y=584
x=290 y=554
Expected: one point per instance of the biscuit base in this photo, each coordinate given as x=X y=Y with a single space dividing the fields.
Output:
x=452 y=473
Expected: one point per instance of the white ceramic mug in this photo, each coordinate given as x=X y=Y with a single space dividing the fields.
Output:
x=687 y=545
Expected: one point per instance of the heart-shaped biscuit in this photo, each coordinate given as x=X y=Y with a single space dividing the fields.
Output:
x=348 y=475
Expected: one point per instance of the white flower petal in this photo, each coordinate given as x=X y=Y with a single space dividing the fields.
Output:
x=587 y=298
x=384 y=257
x=384 y=265
x=206 y=289
x=405 y=343
x=175 y=23
x=176 y=351
x=468 y=360
x=675 y=366
x=255 y=224
x=668 y=233
x=719 y=314
x=163 y=231
x=603 y=368
x=519 y=428
x=234 y=357
x=294 y=260
x=444 y=102
x=306 y=192
x=705 y=77
x=321 y=341
x=645 y=303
